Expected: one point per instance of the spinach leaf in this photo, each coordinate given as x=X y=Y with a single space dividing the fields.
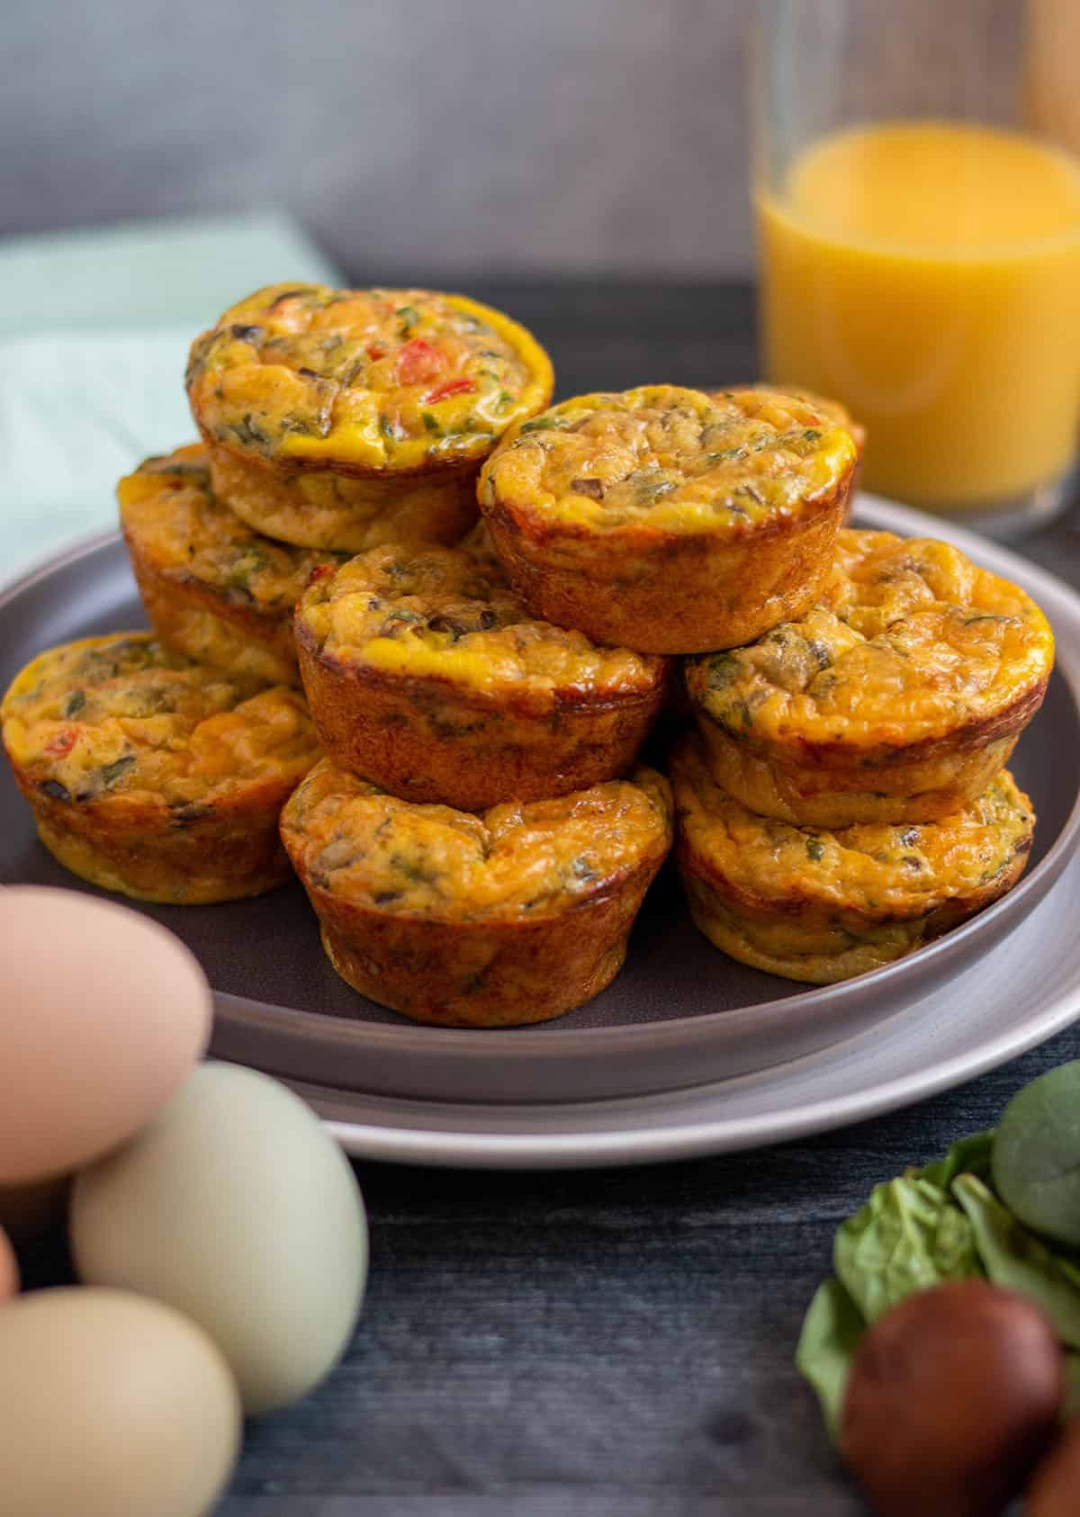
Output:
x=1016 y=1259
x=970 y=1156
x=830 y=1333
x=1037 y=1154
x=1072 y=1385
x=909 y=1235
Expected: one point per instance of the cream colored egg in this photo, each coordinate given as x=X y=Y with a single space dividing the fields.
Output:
x=9 y=1269
x=235 y=1206
x=105 y=1013
x=111 y=1406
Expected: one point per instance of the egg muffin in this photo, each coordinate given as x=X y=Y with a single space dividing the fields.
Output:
x=669 y=520
x=348 y=418
x=823 y=905
x=896 y=698
x=212 y=587
x=516 y=915
x=426 y=674
x=153 y=775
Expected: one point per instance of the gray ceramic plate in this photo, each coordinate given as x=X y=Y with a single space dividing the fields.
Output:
x=681 y=1026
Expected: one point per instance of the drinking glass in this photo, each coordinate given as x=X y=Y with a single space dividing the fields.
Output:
x=918 y=215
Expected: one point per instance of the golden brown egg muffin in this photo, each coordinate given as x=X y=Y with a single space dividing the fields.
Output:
x=820 y=905
x=896 y=698
x=153 y=775
x=669 y=520
x=517 y=915
x=348 y=418
x=426 y=675
x=212 y=587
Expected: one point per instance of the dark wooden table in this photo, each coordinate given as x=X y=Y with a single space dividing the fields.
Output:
x=611 y=1342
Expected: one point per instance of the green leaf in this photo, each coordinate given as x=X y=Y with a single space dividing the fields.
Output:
x=1037 y=1154
x=970 y=1156
x=1072 y=1384
x=830 y=1334
x=1018 y=1260
x=909 y=1236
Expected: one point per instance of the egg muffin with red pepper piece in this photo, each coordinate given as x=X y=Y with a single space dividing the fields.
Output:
x=348 y=418
x=213 y=588
x=515 y=915
x=153 y=775
x=896 y=698
x=823 y=905
x=426 y=674
x=669 y=520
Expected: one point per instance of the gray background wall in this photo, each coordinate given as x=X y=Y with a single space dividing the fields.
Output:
x=458 y=135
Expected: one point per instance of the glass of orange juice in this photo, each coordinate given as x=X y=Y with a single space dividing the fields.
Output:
x=918 y=218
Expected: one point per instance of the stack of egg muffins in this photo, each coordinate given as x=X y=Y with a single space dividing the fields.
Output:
x=437 y=719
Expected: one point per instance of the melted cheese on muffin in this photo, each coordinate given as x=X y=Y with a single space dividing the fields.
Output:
x=348 y=837
x=449 y=612
x=910 y=641
x=122 y=715
x=670 y=459
x=381 y=380
x=190 y=535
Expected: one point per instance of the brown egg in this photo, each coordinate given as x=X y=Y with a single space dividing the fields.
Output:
x=1055 y=1490
x=9 y=1270
x=105 y=1015
x=953 y=1397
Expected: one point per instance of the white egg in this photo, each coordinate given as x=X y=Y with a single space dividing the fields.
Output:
x=235 y=1206
x=111 y=1406
x=105 y=1014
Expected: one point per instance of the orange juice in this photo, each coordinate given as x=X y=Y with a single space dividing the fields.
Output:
x=928 y=275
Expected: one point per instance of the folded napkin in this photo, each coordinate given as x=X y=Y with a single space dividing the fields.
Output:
x=92 y=356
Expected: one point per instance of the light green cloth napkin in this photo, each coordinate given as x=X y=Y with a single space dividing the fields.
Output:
x=94 y=336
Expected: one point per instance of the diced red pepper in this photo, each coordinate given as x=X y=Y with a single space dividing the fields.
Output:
x=418 y=362
x=375 y=351
x=62 y=742
x=321 y=571
x=449 y=387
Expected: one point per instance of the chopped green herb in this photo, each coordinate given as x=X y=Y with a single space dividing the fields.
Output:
x=110 y=773
x=723 y=670
x=413 y=869
x=247 y=430
x=75 y=703
x=431 y=423
x=386 y=427
x=815 y=849
x=810 y=435
x=408 y=315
